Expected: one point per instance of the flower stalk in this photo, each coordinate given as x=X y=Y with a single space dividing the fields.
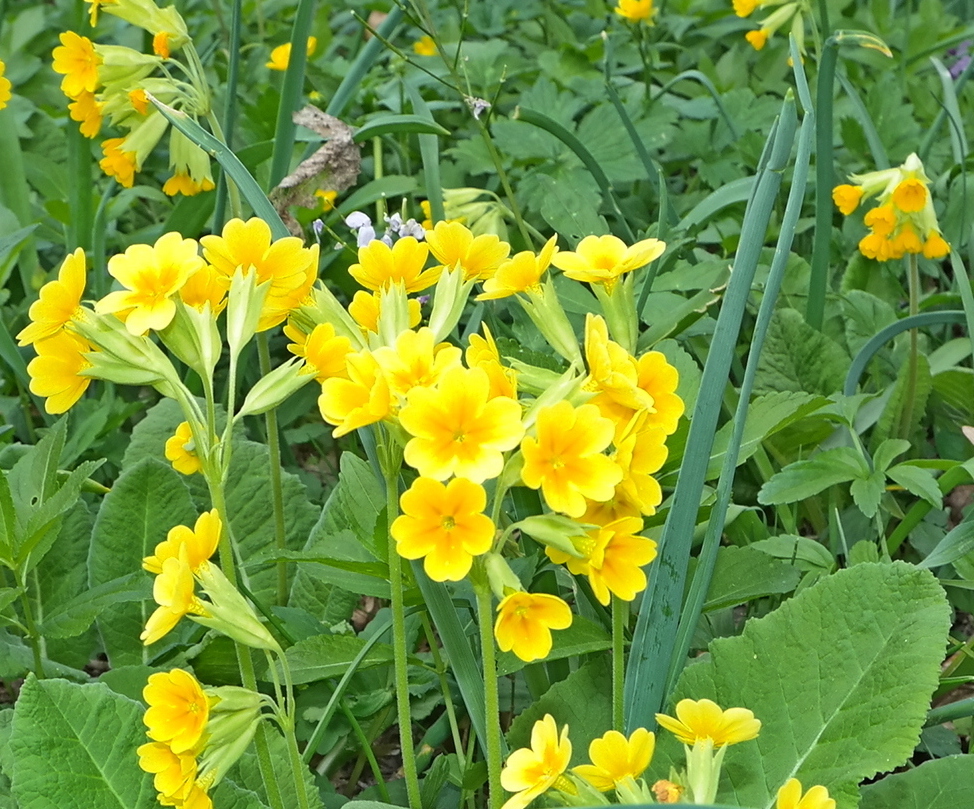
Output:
x=491 y=697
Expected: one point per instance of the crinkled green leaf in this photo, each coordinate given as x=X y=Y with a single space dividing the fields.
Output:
x=743 y=574
x=918 y=481
x=805 y=478
x=322 y=656
x=798 y=357
x=945 y=783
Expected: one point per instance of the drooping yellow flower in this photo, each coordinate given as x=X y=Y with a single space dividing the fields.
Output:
x=178 y=709
x=182 y=183
x=704 y=719
x=636 y=10
x=151 y=276
x=281 y=55
x=118 y=163
x=640 y=452
x=758 y=39
x=290 y=267
x=160 y=44
x=200 y=543
x=55 y=371
x=363 y=398
x=457 y=429
x=95 y=7
x=482 y=353
x=744 y=8
x=847 y=198
x=524 y=623
x=659 y=379
x=416 y=361
x=605 y=259
x=380 y=265
x=324 y=351
x=173 y=773
x=424 y=46
x=366 y=309
x=530 y=772
x=204 y=286
x=174 y=590
x=615 y=758
x=180 y=452
x=4 y=87
x=565 y=457
x=454 y=245
x=910 y=195
x=87 y=111
x=790 y=797
x=522 y=273
x=58 y=302
x=444 y=525
x=77 y=61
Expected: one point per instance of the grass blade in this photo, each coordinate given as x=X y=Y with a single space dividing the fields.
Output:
x=230 y=110
x=363 y=63
x=429 y=149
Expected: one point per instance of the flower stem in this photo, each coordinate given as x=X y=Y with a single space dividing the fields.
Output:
x=32 y=635
x=906 y=414
x=491 y=699
x=391 y=473
x=277 y=492
x=619 y=610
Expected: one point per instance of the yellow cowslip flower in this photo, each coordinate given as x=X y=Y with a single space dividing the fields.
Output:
x=605 y=259
x=77 y=61
x=744 y=8
x=59 y=301
x=910 y=195
x=178 y=709
x=482 y=353
x=151 y=276
x=612 y=558
x=667 y=792
x=55 y=373
x=524 y=623
x=327 y=199
x=659 y=379
x=205 y=286
x=184 y=460
x=363 y=398
x=118 y=163
x=612 y=370
x=290 y=267
x=757 y=39
x=365 y=309
x=444 y=525
x=532 y=771
x=847 y=198
x=95 y=8
x=86 y=111
x=453 y=245
x=704 y=719
x=774 y=21
x=457 y=429
x=636 y=10
x=281 y=55
x=424 y=46
x=324 y=351
x=790 y=797
x=380 y=265
x=5 y=86
x=522 y=273
x=173 y=773
x=615 y=758
x=182 y=183
x=640 y=452
x=174 y=590
x=200 y=542
x=564 y=459
x=190 y=166
x=416 y=361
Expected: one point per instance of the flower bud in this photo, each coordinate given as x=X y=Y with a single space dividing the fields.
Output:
x=230 y=613
x=275 y=387
x=555 y=531
x=194 y=338
x=244 y=303
x=502 y=579
x=449 y=298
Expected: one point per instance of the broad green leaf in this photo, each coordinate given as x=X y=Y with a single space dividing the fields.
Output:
x=571 y=210
x=798 y=357
x=146 y=501
x=17 y=659
x=840 y=676
x=129 y=680
x=247 y=774
x=889 y=419
x=862 y=552
x=228 y=795
x=868 y=491
x=804 y=553
x=8 y=521
x=667 y=312
x=6 y=760
x=805 y=478
x=743 y=574
x=944 y=783
x=335 y=560
x=392 y=185
x=865 y=315
x=733 y=192
x=958 y=542
x=74 y=745
x=10 y=246
x=918 y=481
x=582 y=701
x=887 y=451
x=582 y=637
x=322 y=656
x=75 y=616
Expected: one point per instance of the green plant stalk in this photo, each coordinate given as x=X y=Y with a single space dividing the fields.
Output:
x=400 y=653
x=491 y=698
x=79 y=190
x=33 y=637
x=298 y=769
x=913 y=282
x=818 y=280
x=947 y=482
x=367 y=751
x=947 y=713
x=230 y=110
x=291 y=92
x=620 y=609
x=380 y=203
x=277 y=492
x=444 y=687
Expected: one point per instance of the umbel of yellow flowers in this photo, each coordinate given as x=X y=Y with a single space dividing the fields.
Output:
x=904 y=220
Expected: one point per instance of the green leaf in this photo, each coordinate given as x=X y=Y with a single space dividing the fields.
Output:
x=733 y=192
x=570 y=210
x=743 y=574
x=868 y=491
x=958 y=542
x=840 y=676
x=387 y=124
x=887 y=423
x=803 y=479
x=582 y=637
x=392 y=185
x=798 y=357
x=945 y=783
x=323 y=656
x=918 y=481
x=74 y=617
x=864 y=316
x=804 y=553
x=247 y=773
x=74 y=745
x=10 y=246
x=887 y=451
x=147 y=500
x=581 y=700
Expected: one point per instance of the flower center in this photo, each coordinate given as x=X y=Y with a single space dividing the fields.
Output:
x=448 y=523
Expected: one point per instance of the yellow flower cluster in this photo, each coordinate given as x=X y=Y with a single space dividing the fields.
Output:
x=4 y=86
x=904 y=220
x=786 y=11
x=114 y=81
x=197 y=735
